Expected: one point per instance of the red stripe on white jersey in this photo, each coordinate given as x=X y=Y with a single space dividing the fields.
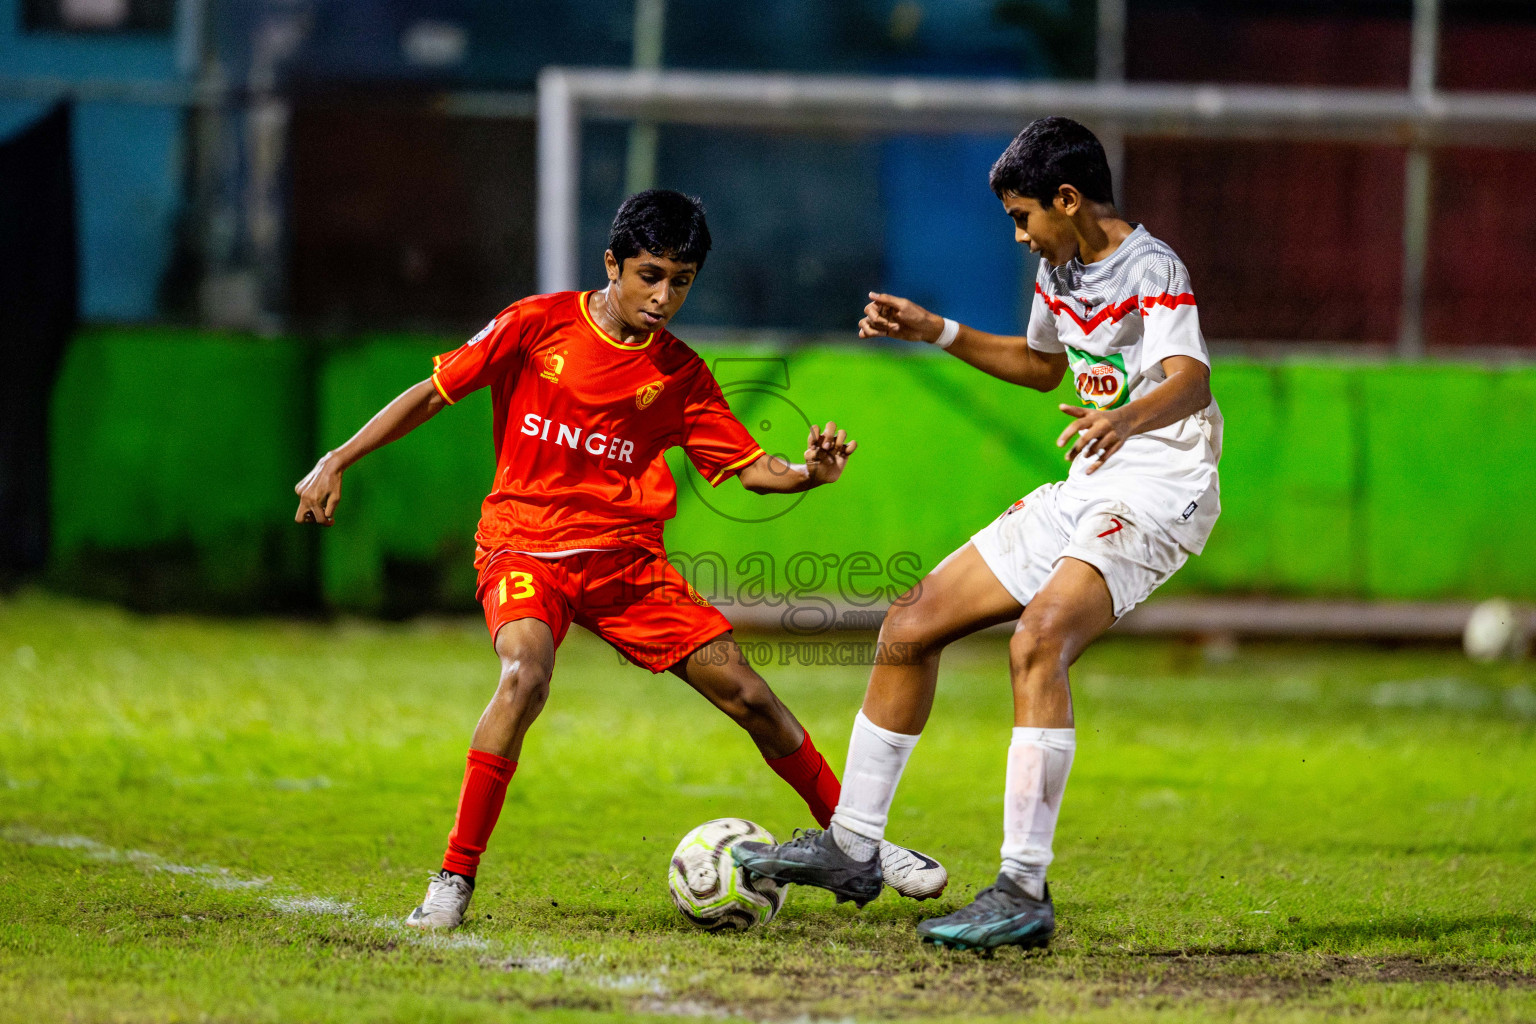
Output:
x=1114 y=314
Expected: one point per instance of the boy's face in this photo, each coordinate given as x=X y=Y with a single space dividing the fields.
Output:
x=649 y=290
x=1047 y=230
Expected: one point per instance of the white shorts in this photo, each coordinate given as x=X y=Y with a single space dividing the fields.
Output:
x=1023 y=545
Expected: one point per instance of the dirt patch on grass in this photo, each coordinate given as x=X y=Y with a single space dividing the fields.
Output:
x=1011 y=981
x=1288 y=975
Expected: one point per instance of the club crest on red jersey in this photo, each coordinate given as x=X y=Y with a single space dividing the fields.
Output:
x=554 y=365
x=646 y=395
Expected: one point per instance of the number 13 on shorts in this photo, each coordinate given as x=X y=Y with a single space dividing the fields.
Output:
x=521 y=586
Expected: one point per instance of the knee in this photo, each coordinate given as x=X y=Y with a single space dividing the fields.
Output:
x=523 y=683
x=1035 y=652
x=907 y=632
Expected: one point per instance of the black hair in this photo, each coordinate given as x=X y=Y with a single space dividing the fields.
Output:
x=662 y=222
x=1047 y=154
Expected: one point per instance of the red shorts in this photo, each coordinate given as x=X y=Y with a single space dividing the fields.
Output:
x=629 y=597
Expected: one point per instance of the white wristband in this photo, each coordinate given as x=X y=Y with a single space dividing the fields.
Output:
x=948 y=335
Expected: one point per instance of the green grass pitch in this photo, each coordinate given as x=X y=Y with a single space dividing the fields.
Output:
x=226 y=820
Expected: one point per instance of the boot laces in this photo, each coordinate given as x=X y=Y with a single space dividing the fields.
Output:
x=803 y=838
x=444 y=892
x=990 y=900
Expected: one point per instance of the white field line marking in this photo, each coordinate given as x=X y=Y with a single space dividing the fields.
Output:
x=219 y=878
x=323 y=906
x=585 y=968
x=682 y=1008
x=534 y=964
x=318 y=905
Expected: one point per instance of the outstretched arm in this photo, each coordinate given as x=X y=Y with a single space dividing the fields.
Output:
x=320 y=491
x=826 y=453
x=1003 y=356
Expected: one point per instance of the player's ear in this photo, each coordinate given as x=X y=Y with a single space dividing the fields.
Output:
x=612 y=263
x=1067 y=199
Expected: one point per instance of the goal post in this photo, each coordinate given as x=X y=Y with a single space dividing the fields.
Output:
x=889 y=105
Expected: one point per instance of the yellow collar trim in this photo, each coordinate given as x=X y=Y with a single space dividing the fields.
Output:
x=586 y=314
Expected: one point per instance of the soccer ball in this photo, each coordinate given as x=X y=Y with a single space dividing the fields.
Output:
x=707 y=886
x=1495 y=630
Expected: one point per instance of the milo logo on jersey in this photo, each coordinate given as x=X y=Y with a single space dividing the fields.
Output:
x=1100 y=382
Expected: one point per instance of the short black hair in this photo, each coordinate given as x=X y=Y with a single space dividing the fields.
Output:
x=662 y=222
x=1047 y=154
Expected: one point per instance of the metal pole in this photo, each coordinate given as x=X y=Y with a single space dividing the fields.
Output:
x=1110 y=66
x=191 y=37
x=559 y=143
x=1110 y=70
x=1426 y=48
x=839 y=104
x=1417 y=182
x=650 y=40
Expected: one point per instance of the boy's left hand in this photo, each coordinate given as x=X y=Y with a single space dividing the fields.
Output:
x=826 y=453
x=1100 y=433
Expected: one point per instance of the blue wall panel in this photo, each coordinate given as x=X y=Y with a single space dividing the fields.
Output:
x=949 y=246
x=128 y=169
x=128 y=157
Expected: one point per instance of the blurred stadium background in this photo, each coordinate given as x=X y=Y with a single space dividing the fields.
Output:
x=230 y=229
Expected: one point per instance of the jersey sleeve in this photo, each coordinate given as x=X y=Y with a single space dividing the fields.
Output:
x=1169 y=316
x=1041 y=334
x=716 y=442
x=492 y=353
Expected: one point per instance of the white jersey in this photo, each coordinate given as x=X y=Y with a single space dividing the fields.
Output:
x=1117 y=320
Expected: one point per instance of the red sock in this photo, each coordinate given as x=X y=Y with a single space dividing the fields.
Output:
x=813 y=779
x=485 y=788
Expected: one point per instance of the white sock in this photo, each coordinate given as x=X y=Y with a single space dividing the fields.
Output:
x=876 y=758
x=1039 y=761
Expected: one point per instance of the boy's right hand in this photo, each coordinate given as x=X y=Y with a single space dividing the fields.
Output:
x=893 y=317
x=319 y=493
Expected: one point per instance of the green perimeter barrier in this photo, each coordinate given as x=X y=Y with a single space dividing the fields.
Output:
x=1338 y=479
x=174 y=455
x=404 y=538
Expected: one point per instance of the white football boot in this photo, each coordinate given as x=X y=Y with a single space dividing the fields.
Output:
x=912 y=874
x=445 y=903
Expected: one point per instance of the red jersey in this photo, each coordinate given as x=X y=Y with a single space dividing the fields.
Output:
x=581 y=421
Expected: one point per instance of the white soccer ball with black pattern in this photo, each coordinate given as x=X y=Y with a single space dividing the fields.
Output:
x=707 y=886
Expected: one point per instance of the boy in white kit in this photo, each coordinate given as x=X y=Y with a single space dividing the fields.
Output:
x=1113 y=306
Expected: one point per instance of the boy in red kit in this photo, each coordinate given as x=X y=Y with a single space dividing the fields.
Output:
x=589 y=390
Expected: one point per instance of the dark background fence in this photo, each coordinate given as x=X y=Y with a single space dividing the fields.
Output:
x=287 y=183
